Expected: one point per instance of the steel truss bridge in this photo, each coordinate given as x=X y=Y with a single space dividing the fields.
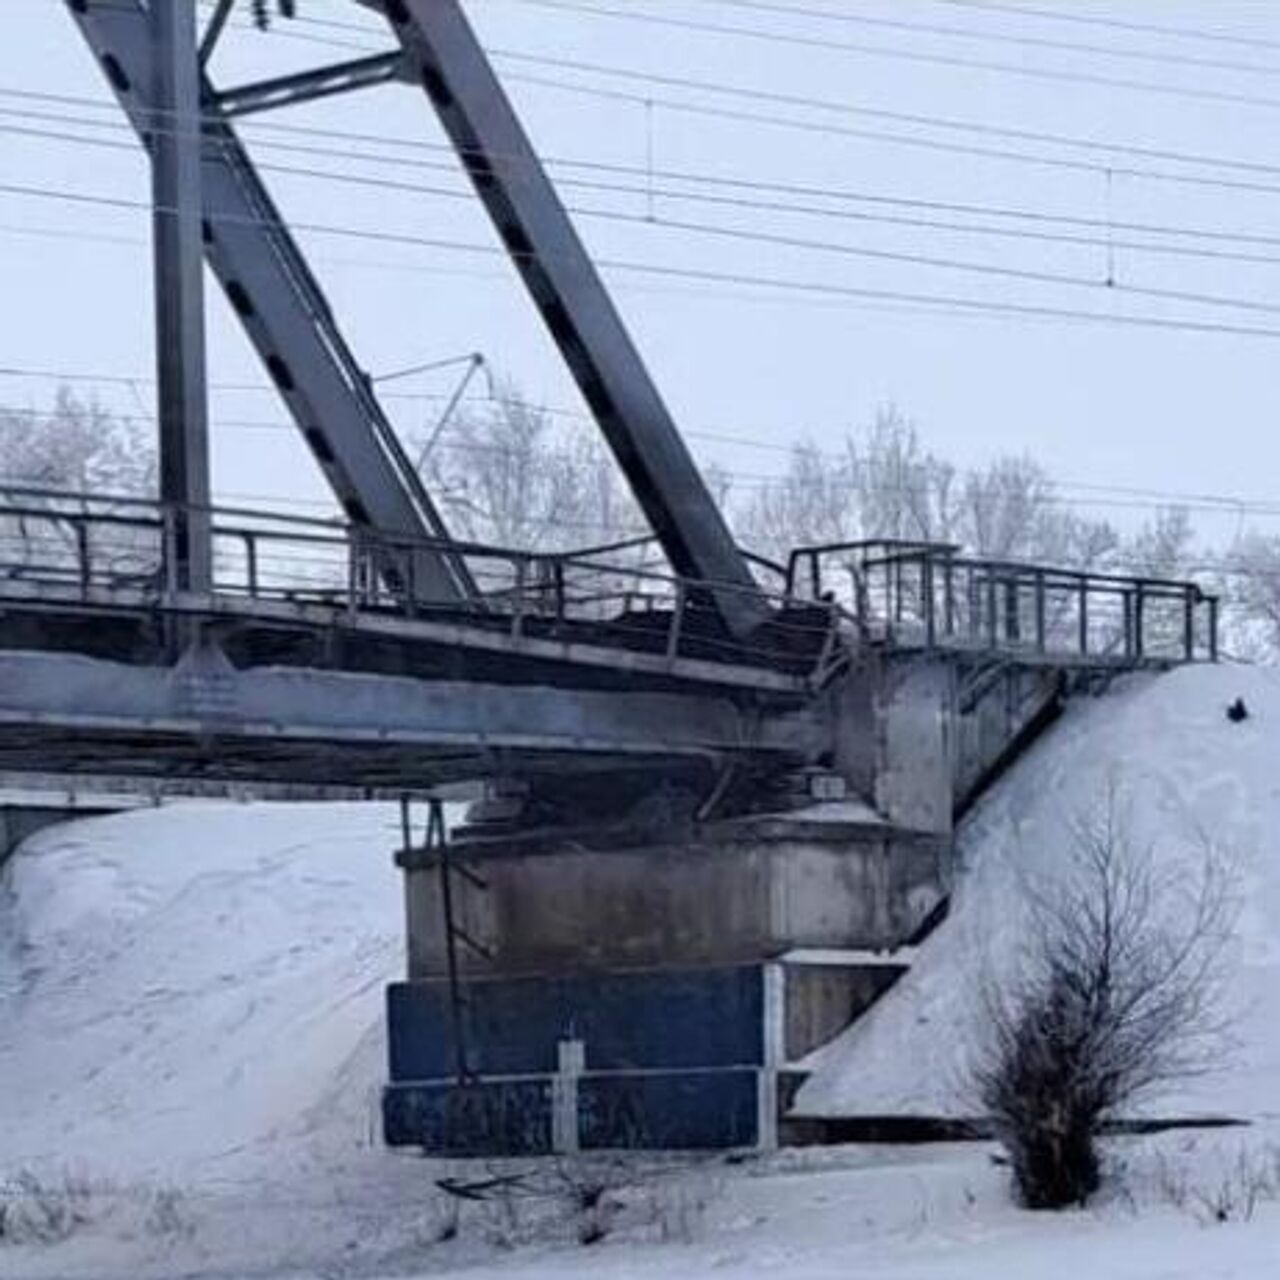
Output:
x=301 y=665
x=175 y=640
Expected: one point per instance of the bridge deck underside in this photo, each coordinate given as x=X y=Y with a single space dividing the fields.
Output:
x=280 y=722
x=207 y=755
x=628 y=650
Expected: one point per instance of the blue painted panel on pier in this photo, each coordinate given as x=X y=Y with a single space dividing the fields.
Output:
x=655 y=1021
x=487 y=1118
x=670 y=1111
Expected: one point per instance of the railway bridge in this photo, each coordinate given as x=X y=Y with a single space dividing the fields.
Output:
x=720 y=791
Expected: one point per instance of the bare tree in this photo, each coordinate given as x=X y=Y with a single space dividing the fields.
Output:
x=1011 y=510
x=1161 y=548
x=507 y=474
x=883 y=484
x=1249 y=581
x=1116 y=997
x=75 y=448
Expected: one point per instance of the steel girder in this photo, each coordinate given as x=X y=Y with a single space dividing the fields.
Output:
x=448 y=61
x=283 y=311
x=315 y=716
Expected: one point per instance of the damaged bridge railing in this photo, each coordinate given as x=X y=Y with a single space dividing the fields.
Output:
x=119 y=552
x=930 y=595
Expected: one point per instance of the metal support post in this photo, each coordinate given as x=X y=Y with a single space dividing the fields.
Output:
x=177 y=211
x=438 y=840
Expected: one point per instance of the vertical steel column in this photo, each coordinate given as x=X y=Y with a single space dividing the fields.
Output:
x=177 y=210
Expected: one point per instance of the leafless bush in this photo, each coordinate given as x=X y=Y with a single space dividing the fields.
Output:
x=1226 y=1192
x=168 y=1216
x=1117 y=997
x=39 y=1211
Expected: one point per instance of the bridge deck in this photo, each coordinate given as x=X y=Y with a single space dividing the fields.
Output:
x=315 y=660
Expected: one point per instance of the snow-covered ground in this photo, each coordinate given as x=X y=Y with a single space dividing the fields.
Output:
x=1185 y=779
x=191 y=1049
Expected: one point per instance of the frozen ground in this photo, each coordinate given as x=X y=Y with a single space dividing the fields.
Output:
x=1183 y=776
x=190 y=1051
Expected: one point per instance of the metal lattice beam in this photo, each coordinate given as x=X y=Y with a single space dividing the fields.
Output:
x=283 y=310
x=450 y=64
x=307 y=86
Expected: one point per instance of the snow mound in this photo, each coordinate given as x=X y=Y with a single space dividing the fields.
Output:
x=185 y=987
x=1182 y=772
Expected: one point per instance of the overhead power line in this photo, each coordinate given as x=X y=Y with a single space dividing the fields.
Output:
x=1114 y=24
x=1053 y=75
x=802 y=101
x=646 y=174
x=1094 y=168
x=822 y=288
x=914 y=26
x=684 y=225
x=829 y=105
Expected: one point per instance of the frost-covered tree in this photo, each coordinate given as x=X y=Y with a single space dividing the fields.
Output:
x=506 y=473
x=885 y=484
x=76 y=445
x=1161 y=548
x=1250 y=584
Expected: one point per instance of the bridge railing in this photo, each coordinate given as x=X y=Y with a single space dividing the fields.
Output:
x=119 y=550
x=930 y=595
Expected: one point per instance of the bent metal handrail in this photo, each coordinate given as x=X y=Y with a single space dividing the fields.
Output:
x=108 y=543
x=902 y=592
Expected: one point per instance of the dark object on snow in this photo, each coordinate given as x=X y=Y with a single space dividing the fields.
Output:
x=261 y=17
x=1237 y=711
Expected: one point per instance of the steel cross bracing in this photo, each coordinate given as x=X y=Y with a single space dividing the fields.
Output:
x=282 y=308
x=445 y=57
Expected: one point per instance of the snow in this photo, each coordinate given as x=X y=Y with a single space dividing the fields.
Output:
x=191 y=1048
x=1179 y=769
x=185 y=981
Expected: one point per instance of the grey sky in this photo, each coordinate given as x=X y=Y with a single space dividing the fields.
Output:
x=1095 y=403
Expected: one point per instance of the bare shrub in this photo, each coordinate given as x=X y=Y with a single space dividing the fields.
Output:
x=1116 y=997
x=38 y=1211
x=168 y=1215
x=1229 y=1192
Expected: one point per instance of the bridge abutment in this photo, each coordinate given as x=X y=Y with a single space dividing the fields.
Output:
x=616 y=988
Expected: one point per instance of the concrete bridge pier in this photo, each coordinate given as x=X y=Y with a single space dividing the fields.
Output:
x=645 y=995
x=656 y=981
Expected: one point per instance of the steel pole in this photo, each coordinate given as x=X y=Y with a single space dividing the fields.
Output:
x=182 y=404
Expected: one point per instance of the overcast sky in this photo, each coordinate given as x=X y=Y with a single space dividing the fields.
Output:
x=1165 y=410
